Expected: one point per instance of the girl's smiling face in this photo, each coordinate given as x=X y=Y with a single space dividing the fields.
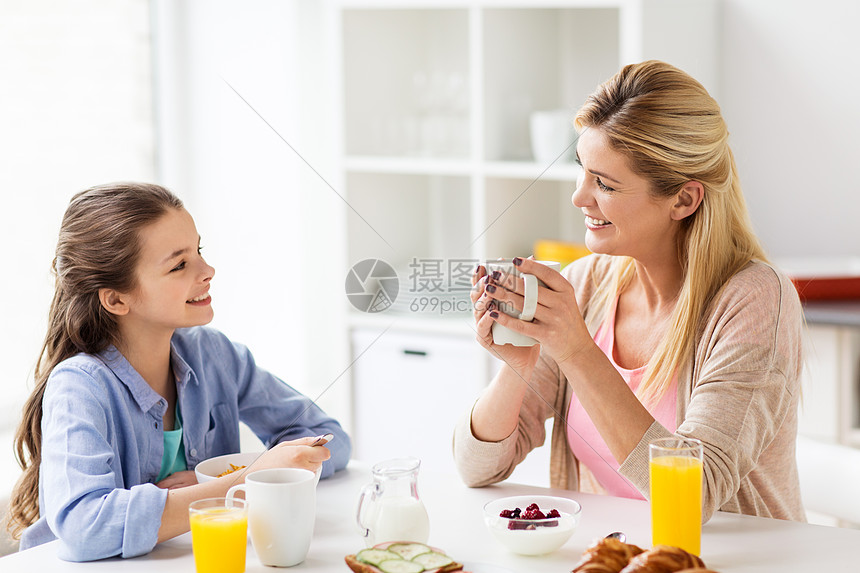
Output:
x=622 y=216
x=172 y=277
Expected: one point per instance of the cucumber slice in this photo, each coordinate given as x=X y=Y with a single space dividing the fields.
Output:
x=400 y=566
x=408 y=550
x=432 y=560
x=376 y=556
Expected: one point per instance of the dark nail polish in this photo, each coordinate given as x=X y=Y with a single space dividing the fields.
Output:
x=494 y=314
x=517 y=261
x=497 y=275
x=491 y=288
x=477 y=269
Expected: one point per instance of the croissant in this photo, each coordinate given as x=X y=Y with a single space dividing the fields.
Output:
x=663 y=559
x=606 y=556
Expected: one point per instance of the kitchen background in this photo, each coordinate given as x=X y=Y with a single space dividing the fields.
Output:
x=248 y=112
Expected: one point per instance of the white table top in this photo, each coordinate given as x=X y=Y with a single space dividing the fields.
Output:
x=730 y=543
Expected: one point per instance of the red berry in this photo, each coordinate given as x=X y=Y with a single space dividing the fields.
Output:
x=533 y=514
x=510 y=513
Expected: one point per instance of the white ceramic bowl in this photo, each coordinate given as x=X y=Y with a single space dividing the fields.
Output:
x=532 y=536
x=209 y=469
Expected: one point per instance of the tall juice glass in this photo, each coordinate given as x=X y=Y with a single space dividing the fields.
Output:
x=219 y=534
x=676 y=493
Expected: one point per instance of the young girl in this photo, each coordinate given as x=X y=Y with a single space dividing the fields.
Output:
x=132 y=391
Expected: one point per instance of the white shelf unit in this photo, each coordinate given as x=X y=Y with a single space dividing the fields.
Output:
x=436 y=97
x=435 y=152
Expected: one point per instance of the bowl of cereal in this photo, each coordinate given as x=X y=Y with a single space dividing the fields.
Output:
x=220 y=466
x=532 y=524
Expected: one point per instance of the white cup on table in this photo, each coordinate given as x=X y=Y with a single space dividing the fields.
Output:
x=281 y=513
x=503 y=334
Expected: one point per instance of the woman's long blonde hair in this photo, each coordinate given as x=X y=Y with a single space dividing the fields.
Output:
x=671 y=131
x=98 y=247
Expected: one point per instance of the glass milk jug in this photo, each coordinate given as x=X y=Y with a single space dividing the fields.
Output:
x=389 y=509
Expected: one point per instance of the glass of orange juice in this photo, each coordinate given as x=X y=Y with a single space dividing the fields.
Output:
x=219 y=534
x=676 y=493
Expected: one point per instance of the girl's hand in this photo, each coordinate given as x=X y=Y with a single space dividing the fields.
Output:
x=558 y=325
x=521 y=358
x=293 y=454
x=178 y=479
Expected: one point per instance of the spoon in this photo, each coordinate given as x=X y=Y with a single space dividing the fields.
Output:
x=322 y=440
x=617 y=535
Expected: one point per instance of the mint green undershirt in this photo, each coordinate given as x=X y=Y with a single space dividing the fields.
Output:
x=173 y=459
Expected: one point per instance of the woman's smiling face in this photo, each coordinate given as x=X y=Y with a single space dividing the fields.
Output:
x=622 y=216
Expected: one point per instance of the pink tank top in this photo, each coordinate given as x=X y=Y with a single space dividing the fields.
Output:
x=584 y=439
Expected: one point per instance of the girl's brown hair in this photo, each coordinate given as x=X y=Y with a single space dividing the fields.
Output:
x=672 y=132
x=98 y=247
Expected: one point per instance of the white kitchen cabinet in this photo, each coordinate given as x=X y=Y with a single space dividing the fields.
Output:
x=830 y=403
x=409 y=389
x=828 y=446
x=411 y=383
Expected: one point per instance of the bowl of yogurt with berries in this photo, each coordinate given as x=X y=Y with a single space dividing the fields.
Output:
x=532 y=524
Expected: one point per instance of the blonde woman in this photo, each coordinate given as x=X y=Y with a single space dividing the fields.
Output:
x=677 y=325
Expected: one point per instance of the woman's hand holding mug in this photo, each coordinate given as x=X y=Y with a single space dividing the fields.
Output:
x=491 y=299
x=499 y=297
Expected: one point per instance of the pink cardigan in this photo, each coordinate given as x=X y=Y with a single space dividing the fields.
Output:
x=739 y=396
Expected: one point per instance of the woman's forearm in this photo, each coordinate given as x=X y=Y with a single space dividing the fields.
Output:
x=496 y=413
x=614 y=409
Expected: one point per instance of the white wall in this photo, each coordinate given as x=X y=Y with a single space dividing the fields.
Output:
x=789 y=92
x=257 y=174
x=75 y=111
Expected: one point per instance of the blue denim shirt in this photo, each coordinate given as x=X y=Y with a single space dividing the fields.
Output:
x=102 y=438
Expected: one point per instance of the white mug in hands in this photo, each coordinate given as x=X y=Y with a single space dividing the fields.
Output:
x=503 y=334
x=281 y=513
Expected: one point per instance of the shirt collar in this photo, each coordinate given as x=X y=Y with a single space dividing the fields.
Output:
x=142 y=392
x=181 y=370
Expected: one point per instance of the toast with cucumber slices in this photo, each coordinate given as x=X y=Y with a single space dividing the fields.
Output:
x=402 y=557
